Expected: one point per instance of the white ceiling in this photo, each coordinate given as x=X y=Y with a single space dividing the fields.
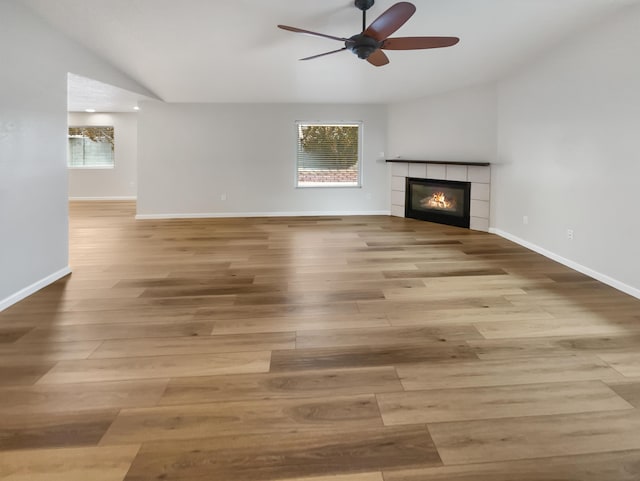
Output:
x=231 y=50
x=84 y=93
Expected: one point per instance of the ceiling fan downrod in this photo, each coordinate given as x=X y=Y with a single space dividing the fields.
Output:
x=364 y=5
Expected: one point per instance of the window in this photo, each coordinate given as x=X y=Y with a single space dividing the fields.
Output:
x=328 y=154
x=91 y=147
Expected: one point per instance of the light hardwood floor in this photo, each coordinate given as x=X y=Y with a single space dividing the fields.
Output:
x=318 y=349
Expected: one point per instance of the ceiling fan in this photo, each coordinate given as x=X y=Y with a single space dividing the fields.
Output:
x=369 y=44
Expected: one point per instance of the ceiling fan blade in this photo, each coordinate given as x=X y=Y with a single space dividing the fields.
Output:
x=378 y=58
x=309 y=32
x=416 y=43
x=390 y=21
x=323 y=54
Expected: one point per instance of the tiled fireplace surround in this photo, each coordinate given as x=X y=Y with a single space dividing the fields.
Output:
x=479 y=176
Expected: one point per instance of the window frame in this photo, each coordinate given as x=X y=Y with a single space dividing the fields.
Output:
x=359 y=124
x=91 y=167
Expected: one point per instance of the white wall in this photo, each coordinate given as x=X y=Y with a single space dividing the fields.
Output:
x=569 y=152
x=458 y=126
x=120 y=181
x=191 y=154
x=33 y=131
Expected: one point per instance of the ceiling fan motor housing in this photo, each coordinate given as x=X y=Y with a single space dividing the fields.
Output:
x=362 y=45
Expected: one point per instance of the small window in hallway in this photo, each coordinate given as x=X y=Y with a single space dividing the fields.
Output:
x=91 y=147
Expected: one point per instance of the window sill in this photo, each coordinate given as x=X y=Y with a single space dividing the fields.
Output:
x=88 y=167
x=328 y=185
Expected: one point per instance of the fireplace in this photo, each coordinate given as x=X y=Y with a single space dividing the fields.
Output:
x=476 y=173
x=442 y=201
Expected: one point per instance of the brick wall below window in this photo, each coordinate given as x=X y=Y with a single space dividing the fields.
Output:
x=328 y=176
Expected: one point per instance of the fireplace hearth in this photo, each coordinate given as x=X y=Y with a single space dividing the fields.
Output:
x=441 y=201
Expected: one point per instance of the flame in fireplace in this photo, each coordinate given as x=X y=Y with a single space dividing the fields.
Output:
x=438 y=200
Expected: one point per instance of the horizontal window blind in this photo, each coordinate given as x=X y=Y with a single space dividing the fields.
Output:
x=328 y=154
x=91 y=147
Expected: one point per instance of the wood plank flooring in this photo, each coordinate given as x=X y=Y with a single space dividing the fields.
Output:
x=361 y=348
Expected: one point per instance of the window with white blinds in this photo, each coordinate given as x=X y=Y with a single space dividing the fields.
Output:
x=91 y=147
x=328 y=154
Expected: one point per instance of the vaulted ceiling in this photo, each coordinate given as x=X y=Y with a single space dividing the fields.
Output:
x=231 y=50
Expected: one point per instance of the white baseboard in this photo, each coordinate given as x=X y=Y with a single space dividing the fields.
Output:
x=35 y=287
x=258 y=214
x=103 y=198
x=610 y=281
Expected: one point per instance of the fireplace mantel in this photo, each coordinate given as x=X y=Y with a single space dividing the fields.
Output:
x=439 y=162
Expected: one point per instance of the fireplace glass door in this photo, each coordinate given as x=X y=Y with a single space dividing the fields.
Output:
x=441 y=201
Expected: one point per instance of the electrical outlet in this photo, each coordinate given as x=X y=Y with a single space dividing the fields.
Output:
x=570 y=234
x=525 y=219
x=223 y=196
